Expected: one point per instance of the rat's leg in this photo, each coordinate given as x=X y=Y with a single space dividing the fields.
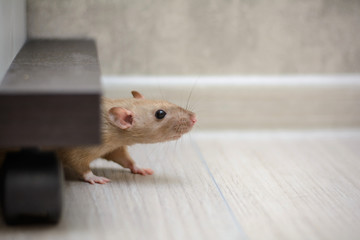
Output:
x=122 y=157
x=78 y=162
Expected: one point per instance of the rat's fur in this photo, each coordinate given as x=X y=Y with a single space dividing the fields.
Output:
x=126 y=122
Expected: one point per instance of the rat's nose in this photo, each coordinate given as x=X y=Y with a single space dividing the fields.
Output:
x=193 y=119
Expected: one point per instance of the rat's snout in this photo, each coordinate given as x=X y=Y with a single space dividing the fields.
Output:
x=193 y=119
x=184 y=124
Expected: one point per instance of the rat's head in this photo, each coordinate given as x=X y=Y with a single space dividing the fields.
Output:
x=150 y=121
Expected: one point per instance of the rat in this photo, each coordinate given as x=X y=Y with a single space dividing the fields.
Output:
x=126 y=122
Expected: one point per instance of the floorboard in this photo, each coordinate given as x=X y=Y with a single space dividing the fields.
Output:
x=289 y=186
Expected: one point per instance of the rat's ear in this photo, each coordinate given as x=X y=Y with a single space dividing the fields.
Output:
x=137 y=95
x=121 y=117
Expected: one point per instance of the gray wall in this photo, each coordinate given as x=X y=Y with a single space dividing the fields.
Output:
x=12 y=31
x=207 y=37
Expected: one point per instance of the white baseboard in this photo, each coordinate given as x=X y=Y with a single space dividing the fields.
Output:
x=254 y=102
x=251 y=80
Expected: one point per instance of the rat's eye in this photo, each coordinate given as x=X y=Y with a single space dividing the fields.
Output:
x=160 y=114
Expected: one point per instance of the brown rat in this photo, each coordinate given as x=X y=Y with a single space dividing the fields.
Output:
x=126 y=122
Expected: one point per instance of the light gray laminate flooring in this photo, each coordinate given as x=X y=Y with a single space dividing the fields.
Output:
x=220 y=185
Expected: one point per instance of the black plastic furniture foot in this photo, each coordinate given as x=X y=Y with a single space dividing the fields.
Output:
x=31 y=187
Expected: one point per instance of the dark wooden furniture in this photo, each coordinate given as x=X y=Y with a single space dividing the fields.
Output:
x=50 y=97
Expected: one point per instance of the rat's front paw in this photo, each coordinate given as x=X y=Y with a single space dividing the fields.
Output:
x=91 y=178
x=142 y=171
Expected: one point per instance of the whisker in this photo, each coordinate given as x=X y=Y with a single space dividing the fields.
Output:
x=161 y=92
x=191 y=91
x=167 y=149
x=176 y=142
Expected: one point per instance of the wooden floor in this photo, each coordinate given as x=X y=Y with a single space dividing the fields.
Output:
x=220 y=185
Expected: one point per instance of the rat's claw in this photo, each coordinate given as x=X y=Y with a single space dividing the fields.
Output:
x=92 y=179
x=142 y=171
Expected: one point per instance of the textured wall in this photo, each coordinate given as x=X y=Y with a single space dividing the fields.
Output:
x=191 y=37
x=12 y=31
